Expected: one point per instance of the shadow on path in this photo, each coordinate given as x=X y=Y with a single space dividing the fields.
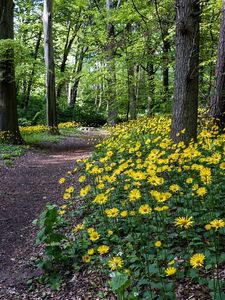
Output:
x=24 y=191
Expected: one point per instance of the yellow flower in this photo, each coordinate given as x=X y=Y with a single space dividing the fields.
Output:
x=112 y=213
x=78 y=227
x=115 y=263
x=222 y=166
x=103 y=249
x=66 y=196
x=197 y=260
x=91 y=251
x=158 y=244
x=217 y=223
x=155 y=180
x=82 y=178
x=100 y=199
x=163 y=208
x=100 y=186
x=86 y=258
x=64 y=206
x=174 y=188
x=132 y=213
x=124 y=213
x=110 y=232
x=201 y=191
x=189 y=180
x=90 y=230
x=161 y=197
x=184 y=222
x=208 y=227
x=134 y=195
x=145 y=209
x=70 y=189
x=84 y=191
x=62 y=180
x=61 y=212
x=195 y=187
x=170 y=271
x=94 y=236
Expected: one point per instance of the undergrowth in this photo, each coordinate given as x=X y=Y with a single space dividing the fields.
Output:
x=145 y=212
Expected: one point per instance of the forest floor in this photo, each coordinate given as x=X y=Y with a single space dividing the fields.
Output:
x=25 y=188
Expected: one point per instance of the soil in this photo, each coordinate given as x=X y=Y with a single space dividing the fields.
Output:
x=25 y=188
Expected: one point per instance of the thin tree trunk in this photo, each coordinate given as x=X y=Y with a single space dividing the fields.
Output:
x=132 y=93
x=74 y=90
x=31 y=78
x=9 y=129
x=151 y=88
x=217 y=103
x=185 y=105
x=111 y=68
x=50 y=67
x=67 y=48
x=166 y=49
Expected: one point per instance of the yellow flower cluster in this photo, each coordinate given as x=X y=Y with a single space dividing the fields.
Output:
x=150 y=199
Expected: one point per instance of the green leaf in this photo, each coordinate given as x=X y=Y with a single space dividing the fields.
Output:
x=119 y=281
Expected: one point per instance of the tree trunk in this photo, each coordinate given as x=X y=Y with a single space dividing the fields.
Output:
x=50 y=67
x=151 y=88
x=185 y=105
x=132 y=93
x=9 y=129
x=166 y=49
x=30 y=82
x=67 y=48
x=74 y=90
x=217 y=103
x=111 y=68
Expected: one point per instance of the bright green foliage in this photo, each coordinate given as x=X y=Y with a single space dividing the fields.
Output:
x=82 y=25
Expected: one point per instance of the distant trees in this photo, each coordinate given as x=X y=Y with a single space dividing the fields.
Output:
x=185 y=105
x=217 y=104
x=8 y=105
x=50 y=67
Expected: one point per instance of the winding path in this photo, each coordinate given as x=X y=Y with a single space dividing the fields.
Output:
x=24 y=191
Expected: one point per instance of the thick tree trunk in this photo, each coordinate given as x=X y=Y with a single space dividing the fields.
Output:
x=8 y=107
x=111 y=68
x=185 y=105
x=30 y=82
x=217 y=103
x=132 y=93
x=50 y=67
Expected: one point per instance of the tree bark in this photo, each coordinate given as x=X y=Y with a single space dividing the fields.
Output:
x=132 y=92
x=9 y=129
x=74 y=90
x=185 y=105
x=217 y=103
x=30 y=81
x=151 y=88
x=111 y=68
x=50 y=67
x=166 y=49
x=67 y=49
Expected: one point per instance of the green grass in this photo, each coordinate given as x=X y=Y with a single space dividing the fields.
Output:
x=39 y=137
x=9 y=151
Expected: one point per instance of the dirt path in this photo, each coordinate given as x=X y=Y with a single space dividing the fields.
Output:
x=24 y=190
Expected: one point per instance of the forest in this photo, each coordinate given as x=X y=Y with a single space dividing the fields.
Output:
x=112 y=149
